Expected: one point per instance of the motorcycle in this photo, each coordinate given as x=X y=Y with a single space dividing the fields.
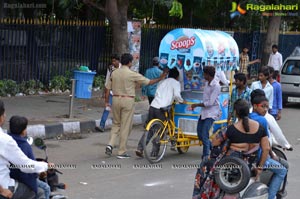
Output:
x=51 y=175
x=236 y=181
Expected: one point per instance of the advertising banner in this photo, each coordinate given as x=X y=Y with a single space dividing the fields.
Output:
x=134 y=38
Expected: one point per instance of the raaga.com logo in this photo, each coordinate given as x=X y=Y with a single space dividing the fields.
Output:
x=242 y=8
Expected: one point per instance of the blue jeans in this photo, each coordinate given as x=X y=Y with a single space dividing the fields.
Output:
x=203 y=134
x=279 y=173
x=45 y=187
x=105 y=113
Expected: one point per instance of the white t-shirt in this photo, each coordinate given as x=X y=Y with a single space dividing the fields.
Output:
x=167 y=91
x=10 y=152
x=268 y=89
x=221 y=77
x=275 y=60
x=108 y=74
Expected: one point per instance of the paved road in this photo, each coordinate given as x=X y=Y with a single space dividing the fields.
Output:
x=87 y=179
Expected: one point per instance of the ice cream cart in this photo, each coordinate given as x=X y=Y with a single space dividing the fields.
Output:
x=190 y=50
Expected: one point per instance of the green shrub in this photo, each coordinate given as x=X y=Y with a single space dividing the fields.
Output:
x=30 y=87
x=99 y=81
x=2 y=88
x=8 y=87
x=60 y=83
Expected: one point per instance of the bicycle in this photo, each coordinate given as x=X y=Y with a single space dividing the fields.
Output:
x=160 y=133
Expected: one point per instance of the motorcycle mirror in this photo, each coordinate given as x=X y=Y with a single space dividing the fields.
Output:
x=39 y=142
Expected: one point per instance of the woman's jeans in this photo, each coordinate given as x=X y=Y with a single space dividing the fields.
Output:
x=203 y=134
x=105 y=113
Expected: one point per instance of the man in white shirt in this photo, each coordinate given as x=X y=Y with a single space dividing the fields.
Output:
x=221 y=77
x=11 y=153
x=275 y=60
x=263 y=83
x=115 y=60
x=167 y=91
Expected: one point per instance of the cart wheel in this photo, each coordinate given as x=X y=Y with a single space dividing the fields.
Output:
x=183 y=149
x=155 y=142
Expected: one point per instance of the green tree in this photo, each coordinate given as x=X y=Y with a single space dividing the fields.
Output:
x=116 y=13
x=273 y=28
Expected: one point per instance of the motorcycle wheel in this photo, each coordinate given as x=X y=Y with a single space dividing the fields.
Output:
x=232 y=174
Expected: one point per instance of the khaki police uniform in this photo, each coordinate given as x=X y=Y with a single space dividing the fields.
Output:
x=122 y=83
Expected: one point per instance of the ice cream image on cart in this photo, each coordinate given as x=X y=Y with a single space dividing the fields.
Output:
x=190 y=50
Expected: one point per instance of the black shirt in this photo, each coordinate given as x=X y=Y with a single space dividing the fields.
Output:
x=236 y=136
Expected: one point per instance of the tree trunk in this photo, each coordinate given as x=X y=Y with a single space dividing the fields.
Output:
x=116 y=12
x=272 y=37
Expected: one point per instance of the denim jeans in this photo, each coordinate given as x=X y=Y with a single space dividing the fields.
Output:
x=203 y=134
x=279 y=173
x=105 y=113
x=45 y=187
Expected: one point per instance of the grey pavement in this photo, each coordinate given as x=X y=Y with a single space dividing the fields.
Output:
x=48 y=114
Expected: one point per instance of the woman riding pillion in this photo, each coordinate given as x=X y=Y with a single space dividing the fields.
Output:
x=245 y=136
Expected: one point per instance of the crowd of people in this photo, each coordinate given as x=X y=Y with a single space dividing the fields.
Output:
x=247 y=131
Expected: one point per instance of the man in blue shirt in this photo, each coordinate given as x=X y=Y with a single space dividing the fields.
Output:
x=277 y=93
x=260 y=107
x=152 y=73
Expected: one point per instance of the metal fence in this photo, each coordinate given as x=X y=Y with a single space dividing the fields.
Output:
x=39 y=50
x=31 y=49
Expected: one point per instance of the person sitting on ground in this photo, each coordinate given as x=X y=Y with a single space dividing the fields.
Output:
x=18 y=131
x=10 y=153
x=167 y=91
x=260 y=106
x=245 y=136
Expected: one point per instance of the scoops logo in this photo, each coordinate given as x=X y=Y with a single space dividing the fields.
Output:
x=183 y=43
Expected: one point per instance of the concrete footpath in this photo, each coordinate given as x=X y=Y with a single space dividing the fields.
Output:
x=48 y=114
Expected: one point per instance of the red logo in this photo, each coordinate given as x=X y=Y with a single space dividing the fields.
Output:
x=183 y=42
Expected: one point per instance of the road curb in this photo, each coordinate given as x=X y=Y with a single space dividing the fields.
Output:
x=53 y=130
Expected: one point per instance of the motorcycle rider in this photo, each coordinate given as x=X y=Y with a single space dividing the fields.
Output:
x=245 y=136
x=260 y=106
x=18 y=131
x=11 y=153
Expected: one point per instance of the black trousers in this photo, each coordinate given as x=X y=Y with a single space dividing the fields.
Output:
x=153 y=113
x=23 y=192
